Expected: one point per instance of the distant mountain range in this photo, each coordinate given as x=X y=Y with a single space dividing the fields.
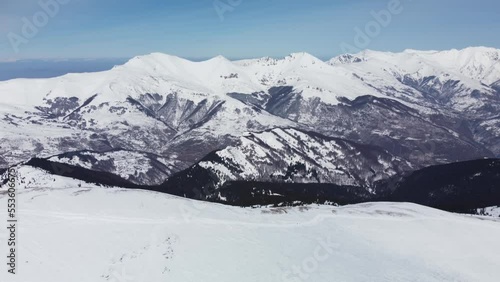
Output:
x=357 y=120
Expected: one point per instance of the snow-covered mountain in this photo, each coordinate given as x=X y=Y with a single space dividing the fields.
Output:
x=490 y=211
x=462 y=80
x=254 y=173
x=477 y=63
x=136 y=167
x=110 y=234
x=233 y=177
x=293 y=156
x=423 y=107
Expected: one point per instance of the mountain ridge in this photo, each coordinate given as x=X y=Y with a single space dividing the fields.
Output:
x=169 y=106
x=464 y=187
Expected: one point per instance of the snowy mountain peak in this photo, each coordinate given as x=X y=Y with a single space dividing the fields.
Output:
x=219 y=58
x=154 y=59
x=479 y=64
x=483 y=53
x=303 y=57
x=344 y=59
x=300 y=55
x=264 y=61
x=414 y=51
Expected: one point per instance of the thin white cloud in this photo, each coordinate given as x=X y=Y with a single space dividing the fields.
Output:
x=8 y=60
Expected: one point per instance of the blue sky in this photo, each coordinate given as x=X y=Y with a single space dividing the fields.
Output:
x=251 y=28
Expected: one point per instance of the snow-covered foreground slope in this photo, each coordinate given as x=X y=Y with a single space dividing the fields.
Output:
x=98 y=234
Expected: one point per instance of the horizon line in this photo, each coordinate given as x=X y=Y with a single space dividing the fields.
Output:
x=231 y=58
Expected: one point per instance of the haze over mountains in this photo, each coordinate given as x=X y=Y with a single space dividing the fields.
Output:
x=40 y=68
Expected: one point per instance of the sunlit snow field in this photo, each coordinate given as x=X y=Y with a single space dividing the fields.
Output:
x=107 y=234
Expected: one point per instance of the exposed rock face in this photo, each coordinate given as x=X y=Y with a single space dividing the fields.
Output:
x=417 y=106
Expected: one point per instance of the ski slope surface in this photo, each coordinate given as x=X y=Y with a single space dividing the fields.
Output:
x=93 y=234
